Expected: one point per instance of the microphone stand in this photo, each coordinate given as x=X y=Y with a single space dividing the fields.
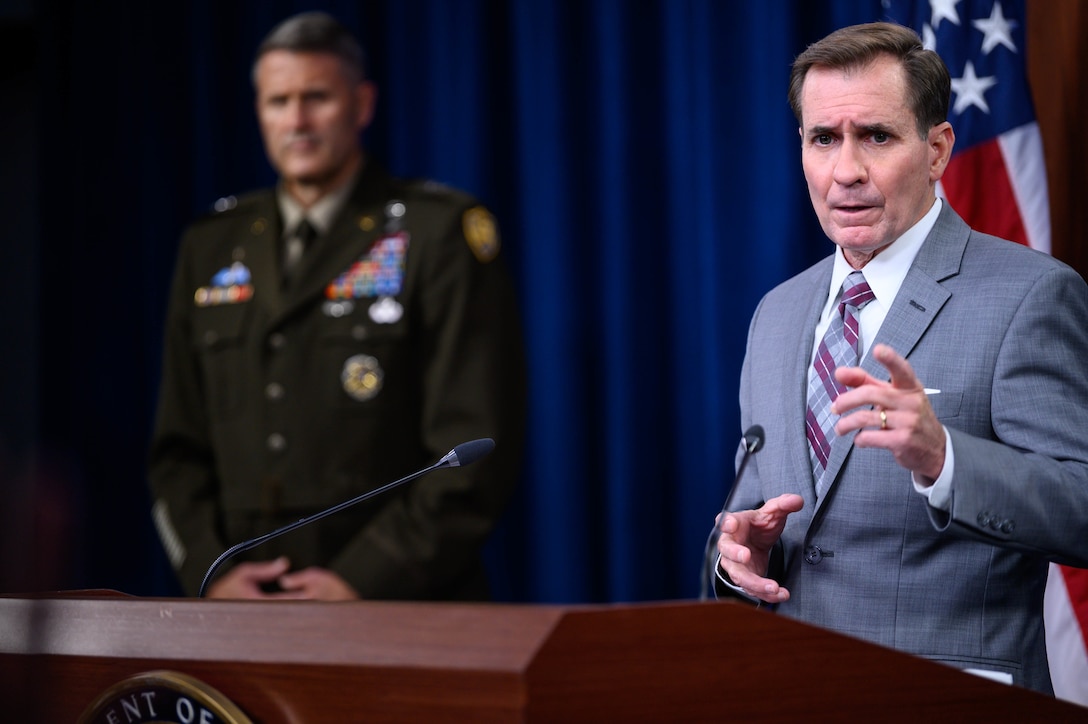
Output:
x=469 y=452
x=752 y=441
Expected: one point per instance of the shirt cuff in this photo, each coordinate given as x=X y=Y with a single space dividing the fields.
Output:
x=724 y=579
x=939 y=494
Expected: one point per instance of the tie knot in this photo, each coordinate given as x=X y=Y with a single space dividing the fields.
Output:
x=856 y=292
x=305 y=232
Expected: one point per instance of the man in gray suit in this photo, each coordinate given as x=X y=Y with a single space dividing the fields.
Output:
x=916 y=500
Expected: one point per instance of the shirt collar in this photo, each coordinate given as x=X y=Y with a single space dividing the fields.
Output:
x=322 y=214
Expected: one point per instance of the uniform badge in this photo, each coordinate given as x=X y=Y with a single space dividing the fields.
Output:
x=481 y=233
x=362 y=377
x=386 y=311
x=380 y=272
x=230 y=285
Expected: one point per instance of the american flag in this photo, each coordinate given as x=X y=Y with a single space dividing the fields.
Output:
x=996 y=181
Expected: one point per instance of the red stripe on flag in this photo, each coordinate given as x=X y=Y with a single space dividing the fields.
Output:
x=977 y=185
x=1076 y=582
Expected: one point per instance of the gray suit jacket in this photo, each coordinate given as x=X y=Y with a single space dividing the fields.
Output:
x=1002 y=332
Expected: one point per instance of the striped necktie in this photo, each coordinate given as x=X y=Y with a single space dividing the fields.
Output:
x=838 y=348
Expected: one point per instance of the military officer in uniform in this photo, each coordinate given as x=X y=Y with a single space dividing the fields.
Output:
x=327 y=337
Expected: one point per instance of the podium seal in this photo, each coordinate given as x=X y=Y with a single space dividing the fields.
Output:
x=162 y=697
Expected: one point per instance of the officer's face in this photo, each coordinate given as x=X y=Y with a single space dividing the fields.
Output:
x=311 y=112
x=870 y=175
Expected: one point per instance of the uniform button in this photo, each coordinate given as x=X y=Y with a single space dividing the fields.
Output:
x=276 y=341
x=277 y=442
x=274 y=391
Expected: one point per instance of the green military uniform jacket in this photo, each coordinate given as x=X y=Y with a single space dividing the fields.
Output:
x=395 y=339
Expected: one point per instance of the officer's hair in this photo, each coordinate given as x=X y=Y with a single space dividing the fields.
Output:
x=929 y=86
x=315 y=32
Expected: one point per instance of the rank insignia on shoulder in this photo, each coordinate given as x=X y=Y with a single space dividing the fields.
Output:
x=379 y=272
x=481 y=233
x=225 y=203
x=362 y=377
x=230 y=285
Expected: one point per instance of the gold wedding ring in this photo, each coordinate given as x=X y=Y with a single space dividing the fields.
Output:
x=883 y=420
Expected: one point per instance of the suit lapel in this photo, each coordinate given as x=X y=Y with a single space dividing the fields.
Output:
x=799 y=357
x=922 y=296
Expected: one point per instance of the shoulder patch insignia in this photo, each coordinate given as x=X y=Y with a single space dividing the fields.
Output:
x=481 y=233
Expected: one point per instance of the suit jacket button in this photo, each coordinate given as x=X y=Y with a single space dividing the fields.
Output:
x=813 y=555
x=983 y=519
x=1007 y=526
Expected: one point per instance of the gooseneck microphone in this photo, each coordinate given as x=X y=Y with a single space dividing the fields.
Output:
x=752 y=442
x=464 y=454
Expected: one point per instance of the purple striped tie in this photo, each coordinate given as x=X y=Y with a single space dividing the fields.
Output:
x=838 y=348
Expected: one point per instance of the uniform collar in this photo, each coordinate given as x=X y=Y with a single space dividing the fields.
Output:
x=322 y=214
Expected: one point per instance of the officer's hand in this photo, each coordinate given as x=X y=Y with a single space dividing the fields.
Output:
x=244 y=581
x=315 y=583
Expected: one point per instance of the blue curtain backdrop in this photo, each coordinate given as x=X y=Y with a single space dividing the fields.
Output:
x=642 y=161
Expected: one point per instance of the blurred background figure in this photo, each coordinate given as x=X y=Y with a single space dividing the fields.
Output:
x=324 y=338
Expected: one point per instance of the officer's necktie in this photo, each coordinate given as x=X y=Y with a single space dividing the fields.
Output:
x=297 y=244
x=838 y=348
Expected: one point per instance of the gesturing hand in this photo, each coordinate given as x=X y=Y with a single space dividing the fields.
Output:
x=900 y=419
x=746 y=542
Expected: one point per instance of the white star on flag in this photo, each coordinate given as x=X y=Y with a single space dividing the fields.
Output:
x=997 y=30
x=929 y=38
x=970 y=90
x=944 y=10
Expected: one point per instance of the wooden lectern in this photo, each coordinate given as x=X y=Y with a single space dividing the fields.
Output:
x=416 y=662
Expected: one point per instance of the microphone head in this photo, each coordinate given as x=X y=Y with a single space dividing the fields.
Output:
x=469 y=452
x=753 y=438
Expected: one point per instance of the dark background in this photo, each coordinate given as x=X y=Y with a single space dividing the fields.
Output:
x=643 y=164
